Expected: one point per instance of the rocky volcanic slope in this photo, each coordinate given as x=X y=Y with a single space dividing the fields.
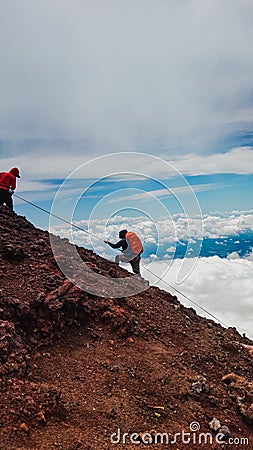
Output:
x=76 y=368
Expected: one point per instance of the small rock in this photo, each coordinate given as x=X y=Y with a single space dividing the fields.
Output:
x=13 y=252
x=224 y=430
x=41 y=242
x=199 y=387
x=249 y=348
x=146 y=437
x=24 y=427
x=35 y=247
x=214 y=424
x=41 y=417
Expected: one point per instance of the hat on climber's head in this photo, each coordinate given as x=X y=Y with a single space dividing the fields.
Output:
x=15 y=172
x=122 y=234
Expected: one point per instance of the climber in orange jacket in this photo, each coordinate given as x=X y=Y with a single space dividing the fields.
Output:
x=131 y=249
x=7 y=186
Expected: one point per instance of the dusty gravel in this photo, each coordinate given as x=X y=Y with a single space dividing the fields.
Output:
x=76 y=368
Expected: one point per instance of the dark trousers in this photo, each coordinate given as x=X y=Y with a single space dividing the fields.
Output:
x=6 y=198
x=135 y=263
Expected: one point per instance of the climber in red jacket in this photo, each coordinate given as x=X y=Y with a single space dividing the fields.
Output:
x=7 y=186
x=131 y=249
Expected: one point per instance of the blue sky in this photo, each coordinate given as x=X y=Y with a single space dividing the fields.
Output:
x=87 y=79
x=216 y=192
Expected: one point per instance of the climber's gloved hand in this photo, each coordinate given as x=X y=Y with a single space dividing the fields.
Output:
x=11 y=191
x=106 y=242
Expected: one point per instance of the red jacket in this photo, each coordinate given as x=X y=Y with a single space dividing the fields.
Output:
x=7 y=180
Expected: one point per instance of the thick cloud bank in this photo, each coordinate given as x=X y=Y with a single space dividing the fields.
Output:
x=120 y=76
x=222 y=233
x=221 y=286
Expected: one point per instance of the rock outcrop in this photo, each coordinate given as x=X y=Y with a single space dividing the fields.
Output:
x=76 y=367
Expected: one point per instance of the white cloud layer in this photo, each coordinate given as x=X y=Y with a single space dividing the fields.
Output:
x=157 y=193
x=221 y=286
x=176 y=228
x=237 y=160
x=58 y=165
